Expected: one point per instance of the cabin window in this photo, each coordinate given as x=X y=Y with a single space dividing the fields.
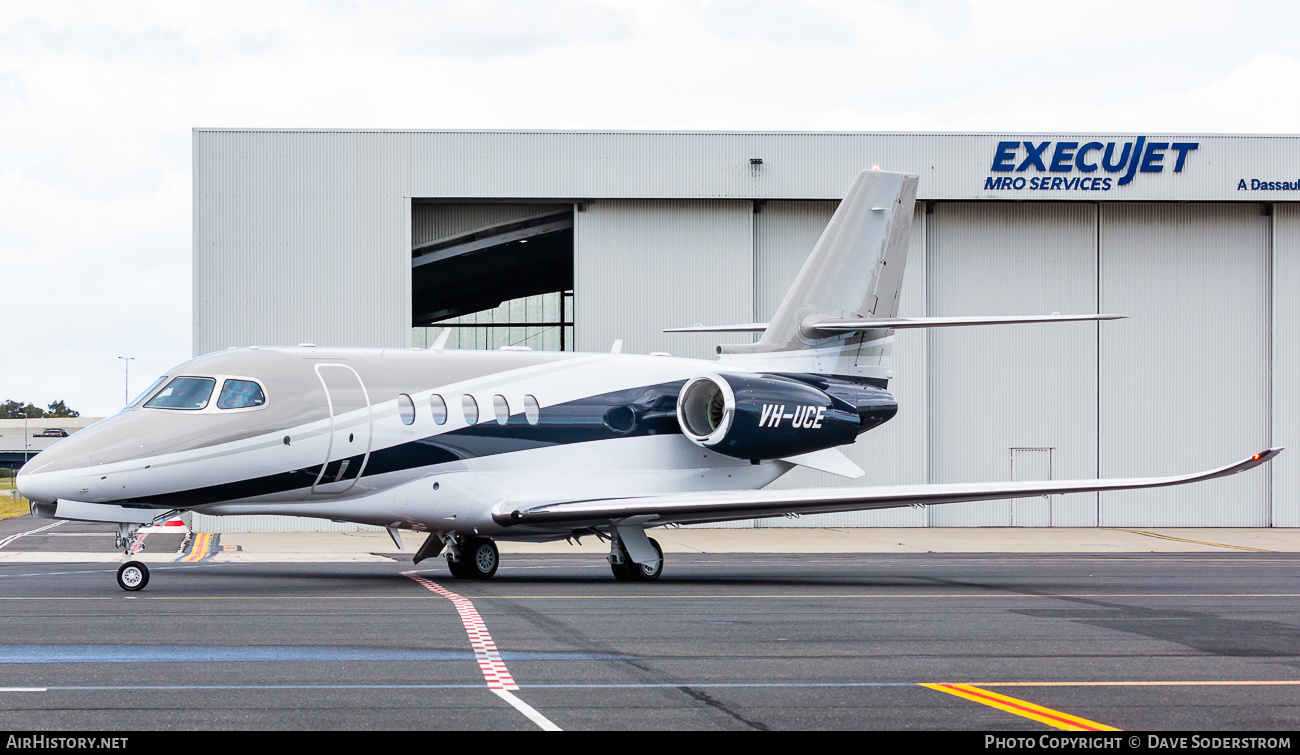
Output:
x=532 y=411
x=406 y=409
x=439 y=409
x=502 y=409
x=240 y=394
x=470 y=407
x=184 y=393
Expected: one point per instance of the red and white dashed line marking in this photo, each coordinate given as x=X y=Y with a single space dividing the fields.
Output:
x=494 y=669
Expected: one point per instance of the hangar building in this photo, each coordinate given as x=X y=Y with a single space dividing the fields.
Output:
x=570 y=240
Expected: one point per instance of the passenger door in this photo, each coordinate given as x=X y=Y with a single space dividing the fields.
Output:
x=350 y=429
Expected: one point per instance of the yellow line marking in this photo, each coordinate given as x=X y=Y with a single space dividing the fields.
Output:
x=1262 y=683
x=1021 y=708
x=200 y=548
x=1181 y=540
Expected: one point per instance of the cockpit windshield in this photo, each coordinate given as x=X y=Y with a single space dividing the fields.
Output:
x=184 y=393
x=240 y=394
x=148 y=391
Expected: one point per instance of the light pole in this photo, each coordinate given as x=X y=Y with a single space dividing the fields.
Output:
x=126 y=378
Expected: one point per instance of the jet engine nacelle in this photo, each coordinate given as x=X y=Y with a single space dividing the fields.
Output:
x=763 y=417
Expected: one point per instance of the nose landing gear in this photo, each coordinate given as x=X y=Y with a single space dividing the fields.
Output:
x=131 y=575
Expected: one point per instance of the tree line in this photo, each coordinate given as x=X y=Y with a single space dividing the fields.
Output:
x=10 y=409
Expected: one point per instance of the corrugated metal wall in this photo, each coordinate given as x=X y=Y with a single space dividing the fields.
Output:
x=640 y=267
x=679 y=165
x=301 y=238
x=784 y=234
x=1024 y=386
x=202 y=523
x=1184 y=382
x=1285 y=469
x=305 y=236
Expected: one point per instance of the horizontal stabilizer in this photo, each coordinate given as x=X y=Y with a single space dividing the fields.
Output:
x=902 y=323
x=857 y=325
x=749 y=327
x=721 y=506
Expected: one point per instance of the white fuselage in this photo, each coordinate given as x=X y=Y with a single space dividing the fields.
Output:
x=333 y=440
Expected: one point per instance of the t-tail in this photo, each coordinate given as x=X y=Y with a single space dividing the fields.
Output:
x=839 y=315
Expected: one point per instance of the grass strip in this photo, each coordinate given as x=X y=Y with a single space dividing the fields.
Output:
x=11 y=507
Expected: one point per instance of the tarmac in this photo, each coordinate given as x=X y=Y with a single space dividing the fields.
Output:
x=1033 y=631
x=56 y=545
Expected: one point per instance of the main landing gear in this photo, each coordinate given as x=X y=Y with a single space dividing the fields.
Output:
x=633 y=557
x=627 y=570
x=472 y=557
x=131 y=575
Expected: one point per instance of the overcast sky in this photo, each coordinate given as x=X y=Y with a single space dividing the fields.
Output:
x=97 y=101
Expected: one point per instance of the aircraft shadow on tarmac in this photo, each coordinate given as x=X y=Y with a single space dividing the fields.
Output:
x=832 y=572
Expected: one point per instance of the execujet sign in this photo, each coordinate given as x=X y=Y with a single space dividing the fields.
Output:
x=1081 y=166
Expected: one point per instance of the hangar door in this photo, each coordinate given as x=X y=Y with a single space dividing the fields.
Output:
x=1015 y=401
x=644 y=265
x=1184 y=381
x=1285 y=470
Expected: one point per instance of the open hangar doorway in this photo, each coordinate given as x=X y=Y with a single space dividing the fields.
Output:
x=496 y=273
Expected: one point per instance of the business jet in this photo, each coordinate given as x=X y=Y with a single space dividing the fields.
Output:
x=472 y=447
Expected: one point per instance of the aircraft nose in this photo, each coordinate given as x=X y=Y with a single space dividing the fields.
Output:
x=41 y=486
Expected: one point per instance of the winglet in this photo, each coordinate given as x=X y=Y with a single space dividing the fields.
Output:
x=1260 y=458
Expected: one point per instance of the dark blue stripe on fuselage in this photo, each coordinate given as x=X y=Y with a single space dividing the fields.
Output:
x=648 y=410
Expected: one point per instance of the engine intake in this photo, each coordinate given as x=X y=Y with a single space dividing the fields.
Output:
x=763 y=416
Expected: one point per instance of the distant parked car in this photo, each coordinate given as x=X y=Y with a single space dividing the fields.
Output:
x=51 y=432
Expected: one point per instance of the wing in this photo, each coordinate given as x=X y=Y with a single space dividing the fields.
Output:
x=716 y=506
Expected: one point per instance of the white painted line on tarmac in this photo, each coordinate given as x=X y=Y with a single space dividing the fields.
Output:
x=529 y=711
x=494 y=670
x=22 y=689
x=14 y=537
x=88 y=571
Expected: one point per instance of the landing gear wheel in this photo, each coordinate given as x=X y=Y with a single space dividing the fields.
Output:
x=479 y=559
x=630 y=571
x=132 y=576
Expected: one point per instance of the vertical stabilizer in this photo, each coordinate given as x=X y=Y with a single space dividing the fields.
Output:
x=854 y=271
